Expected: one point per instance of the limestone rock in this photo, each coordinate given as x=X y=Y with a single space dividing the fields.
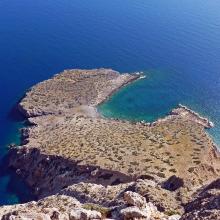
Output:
x=135 y=199
x=55 y=214
x=26 y=216
x=205 y=205
x=83 y=214
x=134 y=212
x=174 y=217
x=163 y=199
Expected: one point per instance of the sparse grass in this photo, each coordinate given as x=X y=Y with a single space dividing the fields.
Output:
x=106 y=212
x=130 y=148
x=171 y=212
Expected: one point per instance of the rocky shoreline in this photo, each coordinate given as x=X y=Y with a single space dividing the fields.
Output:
x=81 y=164
x=186 y=112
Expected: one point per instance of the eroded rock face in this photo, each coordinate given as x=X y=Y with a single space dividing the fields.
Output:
x=60 y=207
x=135 y=199
x=48 y=175
x=205 y=205
x=164 y=200
x=122 y=194
x=124 y=204
x=138 y=208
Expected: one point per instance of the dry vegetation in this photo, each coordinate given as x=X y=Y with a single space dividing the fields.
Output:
x=175 y=146
x=172 y=147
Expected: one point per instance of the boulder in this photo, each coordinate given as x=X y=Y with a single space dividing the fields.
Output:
x=135 y=199
x=83 y=214
x=133 y=213
x=174 y=217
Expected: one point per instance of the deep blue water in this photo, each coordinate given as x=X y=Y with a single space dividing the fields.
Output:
x=176 y=44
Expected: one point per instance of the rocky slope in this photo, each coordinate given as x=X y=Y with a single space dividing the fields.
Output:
x=132 y=206
x=143 y=199
x=74 y=159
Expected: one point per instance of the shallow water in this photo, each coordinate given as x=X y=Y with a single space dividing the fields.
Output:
x=176 y=44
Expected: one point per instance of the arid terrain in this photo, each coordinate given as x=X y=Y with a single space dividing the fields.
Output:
x=68 y=143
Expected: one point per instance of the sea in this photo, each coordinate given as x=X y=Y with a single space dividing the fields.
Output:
x=176 y=44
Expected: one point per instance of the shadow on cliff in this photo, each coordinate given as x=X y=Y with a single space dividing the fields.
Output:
x=13 y=185
x=48 y=174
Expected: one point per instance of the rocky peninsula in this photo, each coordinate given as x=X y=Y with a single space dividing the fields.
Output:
x=81 y=165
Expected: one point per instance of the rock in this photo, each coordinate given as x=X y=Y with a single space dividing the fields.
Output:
x=150 y=208
x=12 y=145
x=77 y=214
x=174 y=217
x=135 y=199
x=92 y=214
x=26 y=216
x=173 y=183
x=163 y=199
x=55 y=214
x=134 y=212
x=205 y=205
x=145 y=211
x=83 y=214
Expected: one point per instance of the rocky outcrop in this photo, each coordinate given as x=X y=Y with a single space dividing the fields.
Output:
x=68 y=208
x=206 y=203
x=138 y=208
x=193 y=115
x=48 y=174
x=135 y=213
x=186 y=113
x=83 y=214
x=133 y=198
x=86 y=202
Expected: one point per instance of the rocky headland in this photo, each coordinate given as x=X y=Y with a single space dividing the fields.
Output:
x=81 y=165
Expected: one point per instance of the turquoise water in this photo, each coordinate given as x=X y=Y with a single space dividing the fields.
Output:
x=157 y=94
x=176 y=44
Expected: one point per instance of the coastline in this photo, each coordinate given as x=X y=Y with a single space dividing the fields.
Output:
x=91 y=110
x=186 y=112
x=137 y=76
x=69 y=143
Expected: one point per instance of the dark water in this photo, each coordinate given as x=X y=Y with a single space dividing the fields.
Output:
x=176 y=43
